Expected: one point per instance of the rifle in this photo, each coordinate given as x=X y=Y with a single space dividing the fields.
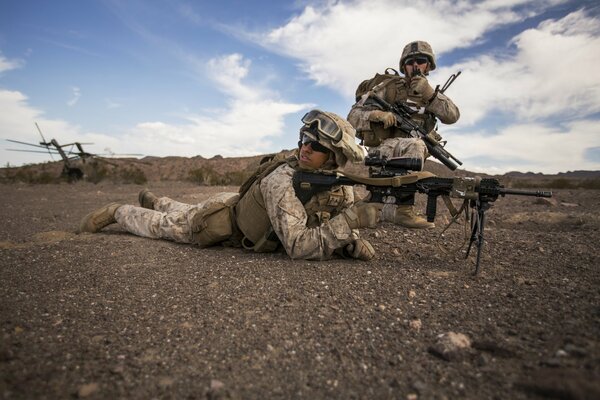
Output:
x=393 y=179
x=403 y=113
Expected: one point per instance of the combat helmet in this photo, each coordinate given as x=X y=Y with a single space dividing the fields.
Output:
x=335 y=133
x=417 y=48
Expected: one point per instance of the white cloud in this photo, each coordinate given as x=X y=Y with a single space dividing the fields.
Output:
x=252 y=116
x=17 y=122
x=530 y=147
x=7 y=65
x=75 y=95
x=547 y=77
x=542 y=84
x=342 y=43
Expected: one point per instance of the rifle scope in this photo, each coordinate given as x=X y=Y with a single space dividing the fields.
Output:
x=409 y=164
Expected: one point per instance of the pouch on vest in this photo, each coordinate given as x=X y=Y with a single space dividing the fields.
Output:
x=253 y=221
x=213 y=222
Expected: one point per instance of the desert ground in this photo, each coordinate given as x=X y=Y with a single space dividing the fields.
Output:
x=112 y=315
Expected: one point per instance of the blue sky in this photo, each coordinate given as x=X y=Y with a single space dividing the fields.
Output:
x=234 y=77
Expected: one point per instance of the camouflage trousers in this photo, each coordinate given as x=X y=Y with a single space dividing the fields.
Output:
x=169 y=220
x=402 y=147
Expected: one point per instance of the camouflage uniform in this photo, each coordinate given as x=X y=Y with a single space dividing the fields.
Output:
x=267 y=210
x=170 y=219
x=312 y=231
x=370 y=122
x=312 y=235
x=396 y=143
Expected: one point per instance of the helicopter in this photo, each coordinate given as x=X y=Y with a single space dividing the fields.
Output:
x=72 y=155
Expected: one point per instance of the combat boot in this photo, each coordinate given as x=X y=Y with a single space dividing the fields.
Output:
x=147 y=199
x=98 y=219
x=406 y=216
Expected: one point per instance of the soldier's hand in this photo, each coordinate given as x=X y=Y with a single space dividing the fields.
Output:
x=363 y=215
x=420 y=87
x=385 y=117
x=360 y=249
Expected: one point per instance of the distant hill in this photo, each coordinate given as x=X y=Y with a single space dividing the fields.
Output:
x=567 y=175
x=220 y=170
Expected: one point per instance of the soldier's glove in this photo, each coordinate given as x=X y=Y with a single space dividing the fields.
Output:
x=360 y=249
x=385 y=117
x=420 y=87
x=363 y=215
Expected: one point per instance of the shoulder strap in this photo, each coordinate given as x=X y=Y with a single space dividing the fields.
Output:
x=393 y=181
x=268 y=165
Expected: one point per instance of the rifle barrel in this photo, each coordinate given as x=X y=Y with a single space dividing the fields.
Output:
x=536 y=193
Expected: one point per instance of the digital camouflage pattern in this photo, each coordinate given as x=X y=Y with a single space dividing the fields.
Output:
x=311 y=232
x=170 y=219
x=396 y=90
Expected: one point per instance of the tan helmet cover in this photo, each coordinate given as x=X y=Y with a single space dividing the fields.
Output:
x=417 y=48
x=346 y=149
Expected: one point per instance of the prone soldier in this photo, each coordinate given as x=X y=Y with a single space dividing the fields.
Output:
x=266 y=213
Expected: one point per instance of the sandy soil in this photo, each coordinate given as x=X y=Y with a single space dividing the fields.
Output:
x=111 y=315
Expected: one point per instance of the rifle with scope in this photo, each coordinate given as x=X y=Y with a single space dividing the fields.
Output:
x=392 y=178
x=403 y=113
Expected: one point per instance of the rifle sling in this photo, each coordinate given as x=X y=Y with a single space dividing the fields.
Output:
x=394 y=181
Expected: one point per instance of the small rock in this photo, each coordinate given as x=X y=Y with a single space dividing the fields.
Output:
x=165 y=381
x=569 y=204
x=415 y=325
x=412 y=294
x=544 y=201
x=450 y=346
x=561 y=353
x=216 y=385
x=87 y=389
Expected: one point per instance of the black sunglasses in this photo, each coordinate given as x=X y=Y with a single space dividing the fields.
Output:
x=418 y=60
x=314 y=144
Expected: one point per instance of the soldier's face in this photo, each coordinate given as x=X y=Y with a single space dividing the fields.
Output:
x=421 y=63
x=310 y=158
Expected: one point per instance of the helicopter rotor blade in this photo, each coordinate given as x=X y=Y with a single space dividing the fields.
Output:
x=30 y=151
x=28 y=144
x=44 y=139
x=74 y=143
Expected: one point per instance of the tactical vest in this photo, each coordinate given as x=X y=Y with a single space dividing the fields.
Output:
x=252 y=218
x=392 y=88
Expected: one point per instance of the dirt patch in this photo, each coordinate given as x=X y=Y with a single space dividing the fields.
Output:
x=112 y=315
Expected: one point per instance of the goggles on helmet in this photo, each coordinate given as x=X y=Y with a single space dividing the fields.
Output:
x=314 y=144
x=326 y=126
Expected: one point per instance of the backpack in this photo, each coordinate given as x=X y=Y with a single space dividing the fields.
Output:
x=369 y=84
x=268 y=164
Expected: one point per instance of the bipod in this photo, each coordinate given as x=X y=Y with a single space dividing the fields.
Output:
x=477 y=227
